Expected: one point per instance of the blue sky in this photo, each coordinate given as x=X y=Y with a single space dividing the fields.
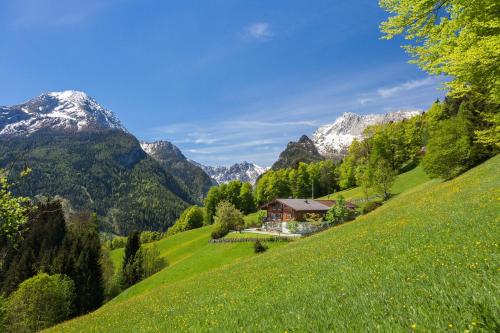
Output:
x=225 y=80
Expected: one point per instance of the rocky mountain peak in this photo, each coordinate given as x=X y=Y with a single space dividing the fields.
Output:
x=244 y=171
x=333 y=140
x=70 y=111
x=302 y=150
x=162 y=150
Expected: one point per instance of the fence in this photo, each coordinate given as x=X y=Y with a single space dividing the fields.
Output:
x=244 y=240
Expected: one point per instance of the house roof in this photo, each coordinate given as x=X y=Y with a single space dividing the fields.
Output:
x=304 y=204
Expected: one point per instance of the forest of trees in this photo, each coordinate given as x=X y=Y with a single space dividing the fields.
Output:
x=239 y=194
x=307 y=180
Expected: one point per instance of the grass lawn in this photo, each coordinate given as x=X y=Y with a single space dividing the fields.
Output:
x=188 y=254
x=403 y=182
x=426 y=261
x=252 y=219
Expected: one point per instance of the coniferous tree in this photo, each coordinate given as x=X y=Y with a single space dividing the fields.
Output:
x=132 y=267
x=43 y=237
x=79 y=258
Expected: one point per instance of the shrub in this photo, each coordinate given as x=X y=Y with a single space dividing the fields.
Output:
x=258 y=247
x=151 y=261
x=338 y=213
x=293 y=226
x=117 y=242
x=219 y=232
x=191 y=218
x=150 y=236
x=40 y=302
x=369 y=206
x=227 y=218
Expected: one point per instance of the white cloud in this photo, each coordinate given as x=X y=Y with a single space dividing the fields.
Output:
x=410 y=85
x=259 y=131
x=259 y=30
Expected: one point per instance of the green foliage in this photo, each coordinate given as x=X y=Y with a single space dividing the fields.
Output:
x=13 y=210
x=457 y=38
x=40 y=302
x=338 y=213
x=451 y=149
x=109 y=280
x=404 y=260
x=117 y=242
x=293 y=226
x=370 y=206
x=132 y=265
x=364 y=178
x=383 y=176
x=255 y=219
x=191 y=218
x=227 y=217
x=106 y=172
x=246 y=199
x=152 y=262
x=3 y=314
x=214 y=196
x=297 y=183
x=80 y=258
x=42 y=240
x=258 y=247
x=235 y=192
x=150 y=236
x=314 y=219
x=53 y=246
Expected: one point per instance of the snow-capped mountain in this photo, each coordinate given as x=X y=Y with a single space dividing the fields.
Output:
x=244 y=171
x=70 y=111
x=333 y=140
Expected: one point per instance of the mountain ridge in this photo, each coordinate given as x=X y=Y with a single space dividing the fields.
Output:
x=197 y=181
x=66 y=111
x=333 y=140
x=243 y=171
x=303 y=150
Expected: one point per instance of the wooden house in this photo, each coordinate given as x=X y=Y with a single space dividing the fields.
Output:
x=283 y=210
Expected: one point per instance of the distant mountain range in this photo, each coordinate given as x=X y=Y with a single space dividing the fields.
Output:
x=244 y=171
x=333 y=140
x=81 y=151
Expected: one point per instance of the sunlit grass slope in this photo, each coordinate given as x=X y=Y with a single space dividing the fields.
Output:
x=427 y=261
x=403 y=182
x=188 y=254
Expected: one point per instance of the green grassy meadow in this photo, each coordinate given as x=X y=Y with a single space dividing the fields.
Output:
x=403 y=182
x=188 y=254
x=426 y=261
x=252 y=219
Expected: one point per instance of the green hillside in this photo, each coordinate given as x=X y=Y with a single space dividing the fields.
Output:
x=188 y=254
x=403 y=182
x=427 y=261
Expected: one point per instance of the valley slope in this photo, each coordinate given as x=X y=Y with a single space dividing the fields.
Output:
x=426 y=260
x=79 y=150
